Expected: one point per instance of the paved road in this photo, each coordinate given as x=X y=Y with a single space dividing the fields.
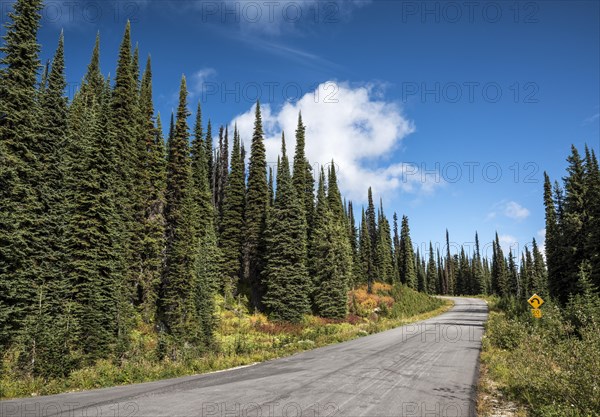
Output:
x=427 y=369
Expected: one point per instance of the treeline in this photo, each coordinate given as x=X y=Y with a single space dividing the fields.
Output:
x=466 y=273
x=106 y=227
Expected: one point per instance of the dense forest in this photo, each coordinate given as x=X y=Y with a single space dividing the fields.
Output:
x=105 y=223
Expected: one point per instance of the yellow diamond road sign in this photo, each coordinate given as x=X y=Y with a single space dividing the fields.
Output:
x=537 y=313
x=535 y=301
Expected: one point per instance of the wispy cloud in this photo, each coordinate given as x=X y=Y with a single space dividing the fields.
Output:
x=197 y=81
x=592 y=118
x=510 y=209
x=354 y=128
x=514 y=210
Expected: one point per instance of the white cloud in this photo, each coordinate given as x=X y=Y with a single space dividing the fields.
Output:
x=510 y=209
x=196 y=83
x=514 y=210
x=351 y=126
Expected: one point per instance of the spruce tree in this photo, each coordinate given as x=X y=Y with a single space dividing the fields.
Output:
x=406 y=259
x=431 y=272
x=231 y=240
x=286 y=276
x=208 y=151
x=51 y=190
x=478 y=284
x=333 y=267
x=257 y=196
x=180 y=284
x=592 y=225
x=353 y=237
x=383 y=250
x=125 y=115
x=19 y=211
x=365 y=254
x=500 y=283
x=302 y=174
x=94 y=223
x=572 y=221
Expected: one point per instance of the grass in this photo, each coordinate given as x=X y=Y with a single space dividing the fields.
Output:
x=241 y=338
x=544 y=367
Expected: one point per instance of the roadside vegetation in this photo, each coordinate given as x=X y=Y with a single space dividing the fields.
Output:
x=241 y=338
x=544 y=367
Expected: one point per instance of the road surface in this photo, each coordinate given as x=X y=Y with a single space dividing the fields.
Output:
x=427 y=369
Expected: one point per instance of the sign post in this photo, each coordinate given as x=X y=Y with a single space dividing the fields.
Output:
x=536 y=301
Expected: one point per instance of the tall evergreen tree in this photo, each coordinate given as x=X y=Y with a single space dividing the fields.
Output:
x=125 y=112
x=257 y=196
x=383 y=250
x=231 y=240
x=179 y=286
x=499 y=277
x=19 y=211
x=572 y=225
x=286 y=276
x=406 y=259
x=333 y=267
x=302 y=174
x=592 y=225
x=94 y=223
x=396 y=244
x=431 y=272
x=365 y=253
x=478 y=284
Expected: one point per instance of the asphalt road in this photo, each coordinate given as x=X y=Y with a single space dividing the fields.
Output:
x=427 y=369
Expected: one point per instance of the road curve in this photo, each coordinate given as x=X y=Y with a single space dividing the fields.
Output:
x=427 y=369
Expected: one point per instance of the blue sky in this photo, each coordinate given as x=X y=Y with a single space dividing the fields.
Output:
x=450 y=110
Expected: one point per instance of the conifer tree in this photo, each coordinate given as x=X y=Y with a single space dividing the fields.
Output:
x=125 y=113
x=51 y=190
x=333 y=268
x=231 y=240
x=371 y=224
x=94 y=224
x=271 y=186
x=286 y=276
x=365 y=253
x=257 y=196
x=396 y=257
x=478 y=285
x=499 y=277
x=19 y=210
x=334 y=197
x=572 y=219
x=449 y=278
x=208 y=151
x=592 y=198
x=383 y=250
x=353 y=237
x=180 y=284
x=302 y=175
x=513 y=276
x=320 y=217
x=406 y=259
x=431 y=272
